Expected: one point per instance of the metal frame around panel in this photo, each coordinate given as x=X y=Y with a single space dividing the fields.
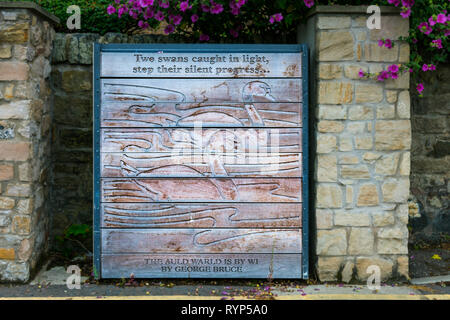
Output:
x=96 y=176
x=213 y=48
x=305 y=162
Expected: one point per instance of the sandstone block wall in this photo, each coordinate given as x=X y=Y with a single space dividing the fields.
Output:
x=26 y=35
x=362 y=144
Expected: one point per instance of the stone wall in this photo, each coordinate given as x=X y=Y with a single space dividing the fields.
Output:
x=363 y=136
x=430 y=158
x=26 y=37
x=72 y=128
x=360 y=149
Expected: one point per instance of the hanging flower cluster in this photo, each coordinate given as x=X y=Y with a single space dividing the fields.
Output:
x=175 y=12
x=213 y=19
x=436 y=28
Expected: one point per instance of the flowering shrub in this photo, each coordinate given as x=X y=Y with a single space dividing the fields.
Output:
x=428 y=38
x=275 y=21
x=94 y=17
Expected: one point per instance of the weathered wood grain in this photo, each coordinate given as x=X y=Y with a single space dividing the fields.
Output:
x=276 y=266
x=201 y=190
x=115 y=165
x=188 y=141
x=182 y=215
x=204 y=65
x=202 y=91
x=146 y=115
x=117 y=241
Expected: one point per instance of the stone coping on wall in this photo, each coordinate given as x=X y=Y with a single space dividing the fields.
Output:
x=30 y=6
x=349 y=10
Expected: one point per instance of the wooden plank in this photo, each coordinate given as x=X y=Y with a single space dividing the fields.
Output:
x=201 y=190
x=190 y=140
x=145 y=165
x=182 y=215
x=264 y=266
x=117 y=241
x=206 y=91
x=149 y=114
x=205 y=65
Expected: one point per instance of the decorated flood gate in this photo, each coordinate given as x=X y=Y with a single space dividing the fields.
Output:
x=200 y=161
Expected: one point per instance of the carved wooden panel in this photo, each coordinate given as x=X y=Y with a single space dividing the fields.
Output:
x=199 y=163
x=242 y=241
x=264 y=266
x=201 y=190
x=143 y=114
x=206 y=65
x=178 y=91
x=206 y=141
x=151 y=165
x=211 y=215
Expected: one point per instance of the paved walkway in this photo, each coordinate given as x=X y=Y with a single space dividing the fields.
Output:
x=50 y=285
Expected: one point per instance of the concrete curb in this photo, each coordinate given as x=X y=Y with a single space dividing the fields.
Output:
x=430 y=280
x=287 y=297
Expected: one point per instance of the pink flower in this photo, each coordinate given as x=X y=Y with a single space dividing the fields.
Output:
x=394 y=2
x=383 y=75
x=420 y=88
x=122 y=10
x=437 y=43
x=431 y=67
x=194 y=18
x=111 y=9
x=425 y=68
x=276 y=17
x=425 y=28
x=408 y=3
x=159 y=16
x=164 y=4
x=406 y=12
x=216 y=8
x=133 y=14
x=234 y=33
x=148 y=14
x=393 y=68
x=169 y=29
x=146 y=3
x=204 y=37
x=431 y=21
x=309 y=3
x=143 y=25
x=184 y=5
x=441 y=18
x=361 y=73
x=177 y=19
x=205 y=8
x=236 y=6
x=380 y=42
x=394 y=75
x=388 y=43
